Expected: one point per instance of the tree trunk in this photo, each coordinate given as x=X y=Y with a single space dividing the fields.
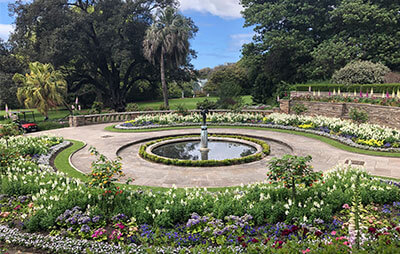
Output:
x=163 y=83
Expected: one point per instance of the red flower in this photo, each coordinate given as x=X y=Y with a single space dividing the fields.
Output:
x=372 y=230
x=286 y=232
x=254 y=240
x=244 y=245
x=318 y=233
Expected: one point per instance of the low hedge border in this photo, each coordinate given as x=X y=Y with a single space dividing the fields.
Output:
x=205 y=163
x=378 y=88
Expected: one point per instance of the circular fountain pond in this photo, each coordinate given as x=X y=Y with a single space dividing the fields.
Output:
x=217 y=150
x=222 y=150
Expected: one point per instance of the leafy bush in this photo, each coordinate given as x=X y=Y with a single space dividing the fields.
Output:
x=132 y=107
x=206 y=104
x=181 y=109
x=9 y=130
x=292 y=170
x=359 y=116
x=361 y=72
x=97 y=107
x=299 y=108
x=51 y=125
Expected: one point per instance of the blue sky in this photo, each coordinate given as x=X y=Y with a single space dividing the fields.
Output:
x=220 y=37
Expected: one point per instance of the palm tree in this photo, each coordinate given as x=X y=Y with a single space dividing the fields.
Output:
x=167 y=42
x=43 y=88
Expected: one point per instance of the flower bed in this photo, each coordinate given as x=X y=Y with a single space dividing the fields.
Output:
x=205 y=163
x=364 y=136
x=259 y=217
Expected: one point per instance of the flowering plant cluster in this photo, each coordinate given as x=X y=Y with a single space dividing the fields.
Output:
x=368 y=134
x=260 y=215
x=292 y=171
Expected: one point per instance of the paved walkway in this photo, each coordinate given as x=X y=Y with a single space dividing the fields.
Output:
x=151 y=174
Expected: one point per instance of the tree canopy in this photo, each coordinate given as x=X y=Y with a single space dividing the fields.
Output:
x=94 y=42
x=167 y=42
x=301 y=40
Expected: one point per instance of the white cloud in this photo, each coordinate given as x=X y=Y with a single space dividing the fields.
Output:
x=5 y=30
x=229 y=9
x=237 y=40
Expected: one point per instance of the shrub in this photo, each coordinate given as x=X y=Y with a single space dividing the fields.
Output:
x=51 y=125
x=359 y=116
x=361 y=72
x=97 y=107
x=292 y=170
x=206 y=104
x=162 y=107
x=181 y=109
x=9 y=130
x=299 y=108
x=132 y=107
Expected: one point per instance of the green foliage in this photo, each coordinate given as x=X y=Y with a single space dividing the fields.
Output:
x=9 y=130
x=299 y=108
x=132 y=107
x=43 y=88
x=359 y=116
x=228 y=93
x=97 y=107
x=104 y=171
x=181 y=109
x=361 y=72
x=292 y=170
x=298 y=41
x=50 y=125
x=166 y=43
x=263 y=89
x=206 y=104
x=235 y=74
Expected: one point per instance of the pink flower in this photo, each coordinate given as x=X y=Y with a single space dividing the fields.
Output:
x=121 y=226
x=346 y=243
x=333 y=233
x=305 y=251
x=30 y=205
x=346 y=206
x=17 y=207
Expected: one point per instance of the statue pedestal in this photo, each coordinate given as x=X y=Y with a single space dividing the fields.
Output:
x=204 y=138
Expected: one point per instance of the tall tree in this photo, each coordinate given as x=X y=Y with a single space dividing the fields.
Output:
x=9 y=65
x=43 y=88
x=167 y=42
x=96 y=42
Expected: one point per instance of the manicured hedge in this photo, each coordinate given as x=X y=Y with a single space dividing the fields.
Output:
x=378 y=88
x=205 y=163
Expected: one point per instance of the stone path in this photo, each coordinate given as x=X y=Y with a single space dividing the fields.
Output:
x=151 y=174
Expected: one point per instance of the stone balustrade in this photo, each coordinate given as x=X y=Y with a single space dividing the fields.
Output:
x=81 y=120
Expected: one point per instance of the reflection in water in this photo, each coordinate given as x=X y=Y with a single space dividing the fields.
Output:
x=190 y=150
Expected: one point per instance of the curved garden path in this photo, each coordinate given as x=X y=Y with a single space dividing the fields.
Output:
x=151 y=174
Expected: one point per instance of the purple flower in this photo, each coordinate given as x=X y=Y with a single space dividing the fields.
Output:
x=85 y=228
x=96 y=219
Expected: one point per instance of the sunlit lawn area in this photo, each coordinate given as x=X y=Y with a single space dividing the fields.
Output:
x=189 y=103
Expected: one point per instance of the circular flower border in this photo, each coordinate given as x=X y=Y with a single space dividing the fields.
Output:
x=205 y=163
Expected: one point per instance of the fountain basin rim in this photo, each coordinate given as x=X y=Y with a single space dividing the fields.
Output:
x=150 y=148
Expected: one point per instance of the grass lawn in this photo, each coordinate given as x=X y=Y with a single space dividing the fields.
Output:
x=189 y=103
x=53 y=114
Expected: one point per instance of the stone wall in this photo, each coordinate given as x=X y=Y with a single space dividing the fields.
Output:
x=81 y=120
x=382 y=115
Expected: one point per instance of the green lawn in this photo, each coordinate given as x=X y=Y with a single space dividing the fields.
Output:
x=53 y=114
x=189 y=103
